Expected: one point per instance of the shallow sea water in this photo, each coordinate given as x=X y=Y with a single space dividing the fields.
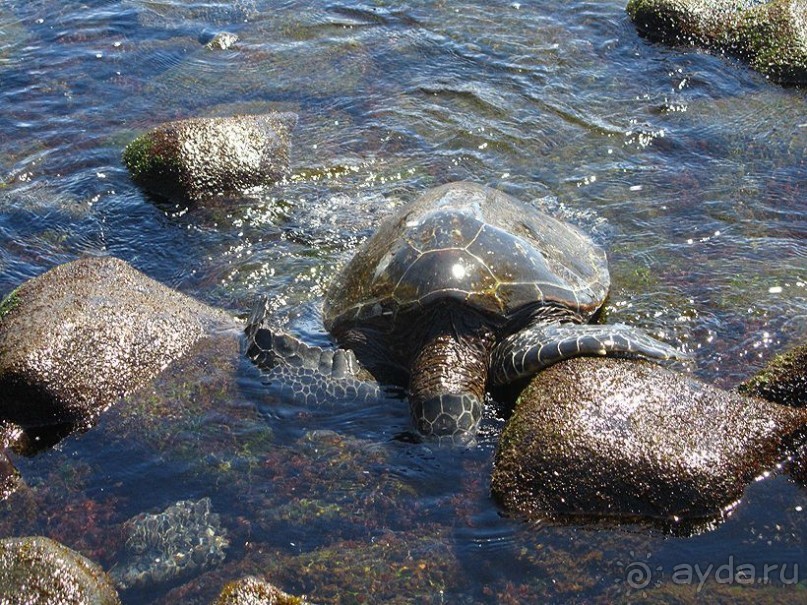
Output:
x=688 y=167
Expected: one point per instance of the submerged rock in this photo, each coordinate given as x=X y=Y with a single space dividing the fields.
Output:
x=630 y=440
x=394 y=568
x=39 y=570
x=85 y=334
x=190 y=160
x=184 y=539
x=222 y=41
x=10 y=480
x=253 y=591
x=771 y=36
x=783 y=380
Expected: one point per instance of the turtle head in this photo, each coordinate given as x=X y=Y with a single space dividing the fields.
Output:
x=451 y=418
x=449 y=372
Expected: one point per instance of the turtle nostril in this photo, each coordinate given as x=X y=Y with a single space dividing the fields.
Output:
x=455 y=416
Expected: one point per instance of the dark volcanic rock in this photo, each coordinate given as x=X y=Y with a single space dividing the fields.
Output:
x=771 y=36
x=81 y=336
x=631 y=440
x=39 y=570
x=783 y=380
x=190 y=160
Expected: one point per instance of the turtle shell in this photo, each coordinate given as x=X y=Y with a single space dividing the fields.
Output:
x=468 y=243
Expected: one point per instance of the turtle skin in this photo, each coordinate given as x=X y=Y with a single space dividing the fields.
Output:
x=463 y=288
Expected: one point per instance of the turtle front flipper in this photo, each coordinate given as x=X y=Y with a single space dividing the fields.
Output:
x=311 y=375
x=540 y=345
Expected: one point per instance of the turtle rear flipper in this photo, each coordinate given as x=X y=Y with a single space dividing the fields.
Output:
x=538 y=346
x=311 y=375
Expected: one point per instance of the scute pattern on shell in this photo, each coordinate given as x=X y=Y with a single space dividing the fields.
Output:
x=473 y=244
x=185 y=538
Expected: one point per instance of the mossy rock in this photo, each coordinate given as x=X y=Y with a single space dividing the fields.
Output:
x=253 y=591
x=770 y=36
x=783 y=380
x=191 y=160
x=774 y=36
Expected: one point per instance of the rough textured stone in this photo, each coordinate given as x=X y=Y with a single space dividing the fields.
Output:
x=190 y=160
x=628 y=439
x=222 y=41
x=81 y=336
x=771 y=36
x=783 y=380
x=253 y=591
x=39 y=571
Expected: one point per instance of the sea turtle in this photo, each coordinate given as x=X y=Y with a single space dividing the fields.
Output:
x=464 y=287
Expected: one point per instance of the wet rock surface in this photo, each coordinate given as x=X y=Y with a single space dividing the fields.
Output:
x=222 y=41
x=783 y=380
x=81 y=336
x=254 y=591
x=40 y=570
x=190 y=160
x=181 y=540
x=630 y=440
x=770 y=36
x=10 y=480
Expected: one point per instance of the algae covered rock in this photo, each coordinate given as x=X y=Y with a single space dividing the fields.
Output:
x=222 y=41
x=85 y=334
x=39 y=570
x=783 y=380
x=630 y=440
x=771 y=36
x=190 y=160
x=184 y=539
x=253 y=591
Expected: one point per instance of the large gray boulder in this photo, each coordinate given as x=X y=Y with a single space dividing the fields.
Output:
x=37 y=570
x=85 y=334
x=771 y=36
x=631 y=440
x=190 y=160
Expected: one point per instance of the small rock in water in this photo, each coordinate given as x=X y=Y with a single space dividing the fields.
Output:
x=194 y=159
x=222 y=41
x=251 y=590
